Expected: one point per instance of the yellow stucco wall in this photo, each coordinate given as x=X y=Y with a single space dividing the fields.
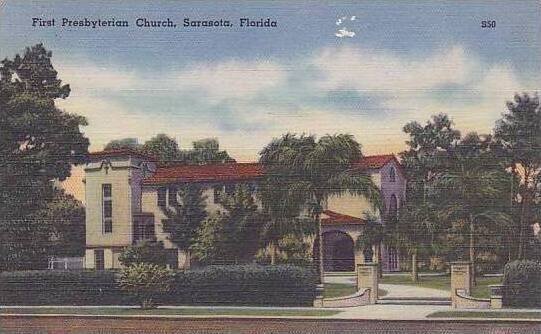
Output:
x=353 y=205
x=122 y=228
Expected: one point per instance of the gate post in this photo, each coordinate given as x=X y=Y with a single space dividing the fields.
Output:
x=367 y=278
x=461 y=279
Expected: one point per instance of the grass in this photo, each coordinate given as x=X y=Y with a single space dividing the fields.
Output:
x=489 y=315
x=481 y=290
x=170 y=311
x=333 y=290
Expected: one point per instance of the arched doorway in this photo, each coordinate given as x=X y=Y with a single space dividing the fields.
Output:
x=338 y=252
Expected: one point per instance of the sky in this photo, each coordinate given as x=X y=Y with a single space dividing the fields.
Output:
x=364 y=67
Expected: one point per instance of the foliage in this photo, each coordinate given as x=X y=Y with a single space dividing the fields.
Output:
x=522 y=281
x=163 y=147
x=280 y=285
x=290 y=249
x=474 y=189
x=231 y=236
x=206 y=151
x=166 y=149
x=519 y=133
x=38 y=143
x=186 y=216
x=66 y=216
x=374 y=233
x=144 y=252
x=124 y=143
x=51 y=287
x=283 y=201
x=146 y=282
x=427 y=153
x=317 y=170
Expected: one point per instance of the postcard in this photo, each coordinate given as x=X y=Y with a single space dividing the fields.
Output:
x=270 y=166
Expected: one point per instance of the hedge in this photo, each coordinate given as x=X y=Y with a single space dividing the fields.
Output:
x=281 y=285
x=522 y=281
x=48 y=287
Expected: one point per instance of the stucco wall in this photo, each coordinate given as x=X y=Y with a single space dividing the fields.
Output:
x=353 y=205
x=117 y=174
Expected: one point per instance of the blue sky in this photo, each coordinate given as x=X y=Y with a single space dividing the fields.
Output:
x=407 y=61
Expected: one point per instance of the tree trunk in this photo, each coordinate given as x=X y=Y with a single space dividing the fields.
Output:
x=188 y=262
x=520 y=254
x=472 y=249
x=272 y=249
x=377 y=253
x=414 y=274
x=320 y=235
x=524 y=204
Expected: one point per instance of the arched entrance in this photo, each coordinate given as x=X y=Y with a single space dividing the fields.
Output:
x=338 y=252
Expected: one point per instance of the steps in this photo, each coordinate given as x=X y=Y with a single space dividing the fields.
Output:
x=414 y=301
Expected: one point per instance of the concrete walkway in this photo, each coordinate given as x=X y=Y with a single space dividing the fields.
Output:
x=395 y=290
x=411 y=291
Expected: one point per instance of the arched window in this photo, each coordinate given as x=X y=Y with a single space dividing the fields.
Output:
x=393 y=206
x=392 y=175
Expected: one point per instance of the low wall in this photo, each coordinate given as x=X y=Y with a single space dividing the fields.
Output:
x=360 y=298
x=462 y=300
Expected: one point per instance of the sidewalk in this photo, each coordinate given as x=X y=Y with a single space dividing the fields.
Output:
x=378 y=312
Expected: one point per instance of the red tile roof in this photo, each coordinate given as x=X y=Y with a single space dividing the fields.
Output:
x=206 y=173
x=125 y=152
x=222 y=172
x=374 y=161
x=334 y=218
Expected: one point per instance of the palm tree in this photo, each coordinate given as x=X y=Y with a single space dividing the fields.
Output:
x=414 y=233
x=321 y=169
x=374 y=233
x=473 y=189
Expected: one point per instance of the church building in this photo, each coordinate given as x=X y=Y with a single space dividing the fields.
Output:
x=125 y=192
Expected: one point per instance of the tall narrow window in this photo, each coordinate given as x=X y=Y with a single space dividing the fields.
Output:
x=392 y=175
x=162 y=197
x=218 y=191
x=99 y=259
x=107 y=207
x=172 y=196
x=393 y=206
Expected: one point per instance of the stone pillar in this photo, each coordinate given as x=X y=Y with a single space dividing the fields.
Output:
x=496 y=296
x=367 y=278
x=460 y=279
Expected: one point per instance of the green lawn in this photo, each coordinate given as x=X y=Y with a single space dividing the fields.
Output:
x=481 y=290
x=171 y=311
x=333 y=290
x=481 y=314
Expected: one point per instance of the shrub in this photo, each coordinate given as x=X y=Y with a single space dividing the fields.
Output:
x=47 y=287
x=146 y=282
x=280 y=285
x=522 y=280
x=144 y=252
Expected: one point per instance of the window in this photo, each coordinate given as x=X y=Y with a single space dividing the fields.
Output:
x=172 y=196
x=162 y=197
x=393 y=206
x=107 y=208
x=392 y=175
x=218 y=191
x=229 y=189
x=99 y=259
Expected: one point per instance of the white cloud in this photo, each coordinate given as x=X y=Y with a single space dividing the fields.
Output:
x=380 y=72
x=233 y=79
x=91 y=78
x=344 y=32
